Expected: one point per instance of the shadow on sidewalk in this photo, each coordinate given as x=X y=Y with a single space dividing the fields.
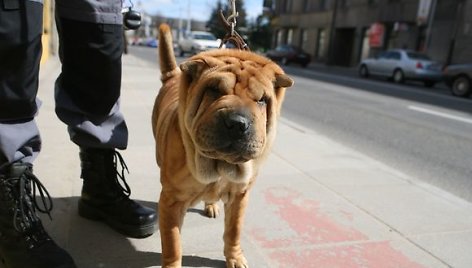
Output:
x=94 y=244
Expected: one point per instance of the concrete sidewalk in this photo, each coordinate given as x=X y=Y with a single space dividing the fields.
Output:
x=315 y=204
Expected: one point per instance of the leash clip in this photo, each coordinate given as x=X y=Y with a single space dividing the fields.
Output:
x=232 y=39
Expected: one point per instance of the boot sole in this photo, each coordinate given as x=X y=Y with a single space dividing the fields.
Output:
x=134 y=231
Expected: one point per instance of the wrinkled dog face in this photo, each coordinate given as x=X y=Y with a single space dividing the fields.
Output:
x=231 y=106
x=231 y=122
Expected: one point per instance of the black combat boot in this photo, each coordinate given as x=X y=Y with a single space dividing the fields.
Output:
x=23 y=240
x=105 y=198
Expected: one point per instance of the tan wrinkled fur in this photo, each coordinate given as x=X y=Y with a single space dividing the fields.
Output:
x=183 y=127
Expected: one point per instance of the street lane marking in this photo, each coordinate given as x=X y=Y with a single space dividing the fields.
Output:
x=440 y=114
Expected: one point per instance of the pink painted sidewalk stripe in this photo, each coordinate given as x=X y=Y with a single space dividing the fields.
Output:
x=367 y=255
x=307 y=225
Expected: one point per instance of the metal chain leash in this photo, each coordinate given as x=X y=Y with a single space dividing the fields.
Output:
x=232 y=39
x=234 y=14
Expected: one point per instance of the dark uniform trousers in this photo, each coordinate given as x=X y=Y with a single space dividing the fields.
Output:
x=86 y=92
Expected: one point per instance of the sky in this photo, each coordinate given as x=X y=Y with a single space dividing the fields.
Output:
x=199 y=9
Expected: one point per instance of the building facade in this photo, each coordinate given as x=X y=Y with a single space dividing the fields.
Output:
x=343 y=32
x=48 y=37
x=451 y=31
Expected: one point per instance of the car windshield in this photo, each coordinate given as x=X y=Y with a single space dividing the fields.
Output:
x=417 y=56
x=204 y=36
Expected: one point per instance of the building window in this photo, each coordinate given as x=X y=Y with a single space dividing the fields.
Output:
x=365 y=44
x=290 y=36
x=268 y=4
x=372 y=2
x=323 y=4
x=321 y=44
x=306 y=5
x=279 y=37
x=344 y=3
x=288 y=6
x=303 y=39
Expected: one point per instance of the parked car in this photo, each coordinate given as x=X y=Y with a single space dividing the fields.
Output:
x=401 y=65
x=287 y=54
x=459 y=78
x=137 y=41
x=198 y=41
x=152 y=42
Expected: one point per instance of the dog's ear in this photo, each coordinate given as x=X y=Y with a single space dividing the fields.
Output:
x=192 y=69
x=283 y=80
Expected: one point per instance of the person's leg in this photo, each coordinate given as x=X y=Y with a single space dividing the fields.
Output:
x=87 y=101
x=24 y=242
x=88 y=88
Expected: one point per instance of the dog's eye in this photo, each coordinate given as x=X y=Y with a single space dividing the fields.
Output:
x=213 y=92
x=262 y=101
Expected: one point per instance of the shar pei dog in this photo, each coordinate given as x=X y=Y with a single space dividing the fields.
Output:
x=214 y=121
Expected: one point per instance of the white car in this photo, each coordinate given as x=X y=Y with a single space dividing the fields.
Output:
x=401 y=65
x=198 y=41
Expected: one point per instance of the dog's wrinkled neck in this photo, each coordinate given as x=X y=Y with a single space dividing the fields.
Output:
x=209 y=170
x=238 y=173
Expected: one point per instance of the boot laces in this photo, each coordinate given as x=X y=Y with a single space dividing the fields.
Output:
x=120 y=175
x=24 y=189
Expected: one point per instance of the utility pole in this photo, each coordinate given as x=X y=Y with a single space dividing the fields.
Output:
x=332 y=33
x=180 y=31
x=189 y=17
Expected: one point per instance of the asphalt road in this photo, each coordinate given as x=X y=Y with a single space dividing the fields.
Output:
x=425 y=133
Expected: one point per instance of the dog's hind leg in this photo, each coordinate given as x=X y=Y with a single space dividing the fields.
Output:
x=211 y=210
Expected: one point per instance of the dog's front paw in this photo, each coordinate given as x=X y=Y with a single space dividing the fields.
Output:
x=212 y=210
x=239 y=262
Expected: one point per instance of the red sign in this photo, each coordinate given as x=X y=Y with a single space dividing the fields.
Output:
x=376 y=35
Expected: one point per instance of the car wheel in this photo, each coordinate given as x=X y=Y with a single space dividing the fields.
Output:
x=429 y=83
x=461 y=86
x=305 y=64
x=398 y=76
x=284 y=61
x=181 y=52
x=363 y=71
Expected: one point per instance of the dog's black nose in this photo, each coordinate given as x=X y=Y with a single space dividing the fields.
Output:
x=236 y=123
x=235 y=132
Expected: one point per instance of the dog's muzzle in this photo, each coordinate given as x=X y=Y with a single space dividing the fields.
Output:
x=231 y=137
x=235 y=133
x=235 y=126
